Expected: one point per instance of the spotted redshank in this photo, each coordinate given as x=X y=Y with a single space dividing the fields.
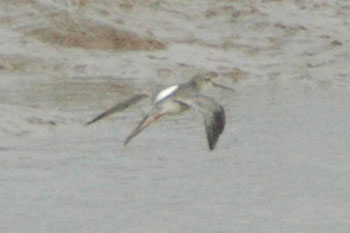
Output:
x=176 y=99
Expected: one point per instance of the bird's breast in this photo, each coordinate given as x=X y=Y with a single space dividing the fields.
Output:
x=173 y=107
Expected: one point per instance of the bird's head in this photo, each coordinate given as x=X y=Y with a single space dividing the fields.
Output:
x=205 y=80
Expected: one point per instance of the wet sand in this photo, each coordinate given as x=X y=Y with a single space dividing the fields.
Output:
x=281 y=165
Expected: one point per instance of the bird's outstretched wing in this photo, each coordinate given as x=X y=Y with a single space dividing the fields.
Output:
x=119 y=107
x=213 y=114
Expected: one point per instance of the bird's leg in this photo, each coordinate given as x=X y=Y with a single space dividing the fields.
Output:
x=146 y=121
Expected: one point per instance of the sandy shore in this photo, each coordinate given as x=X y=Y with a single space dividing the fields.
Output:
x=281 y=165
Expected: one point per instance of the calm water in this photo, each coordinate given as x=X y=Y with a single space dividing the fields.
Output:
x=281 y=165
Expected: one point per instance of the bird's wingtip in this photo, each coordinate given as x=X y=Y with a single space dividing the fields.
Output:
x=89 y=123
x=211 y=147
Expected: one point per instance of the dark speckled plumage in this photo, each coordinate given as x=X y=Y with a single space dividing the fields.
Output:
x=214 y=127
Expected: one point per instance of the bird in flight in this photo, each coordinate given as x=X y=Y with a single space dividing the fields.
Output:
x=176 y=99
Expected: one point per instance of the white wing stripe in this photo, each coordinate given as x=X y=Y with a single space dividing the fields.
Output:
x=165 y=93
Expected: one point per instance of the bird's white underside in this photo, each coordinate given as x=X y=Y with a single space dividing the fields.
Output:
x=166 y=92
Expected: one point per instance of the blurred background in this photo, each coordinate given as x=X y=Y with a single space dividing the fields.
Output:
x=281 y=165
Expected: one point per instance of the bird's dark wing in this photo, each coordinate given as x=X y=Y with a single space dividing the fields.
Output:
x=119 y=107
x=213 y=114
x=214 y=126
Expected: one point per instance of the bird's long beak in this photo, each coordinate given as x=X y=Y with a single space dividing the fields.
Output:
x=223 y=87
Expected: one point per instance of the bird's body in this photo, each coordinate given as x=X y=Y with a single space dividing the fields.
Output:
x=176 y=99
